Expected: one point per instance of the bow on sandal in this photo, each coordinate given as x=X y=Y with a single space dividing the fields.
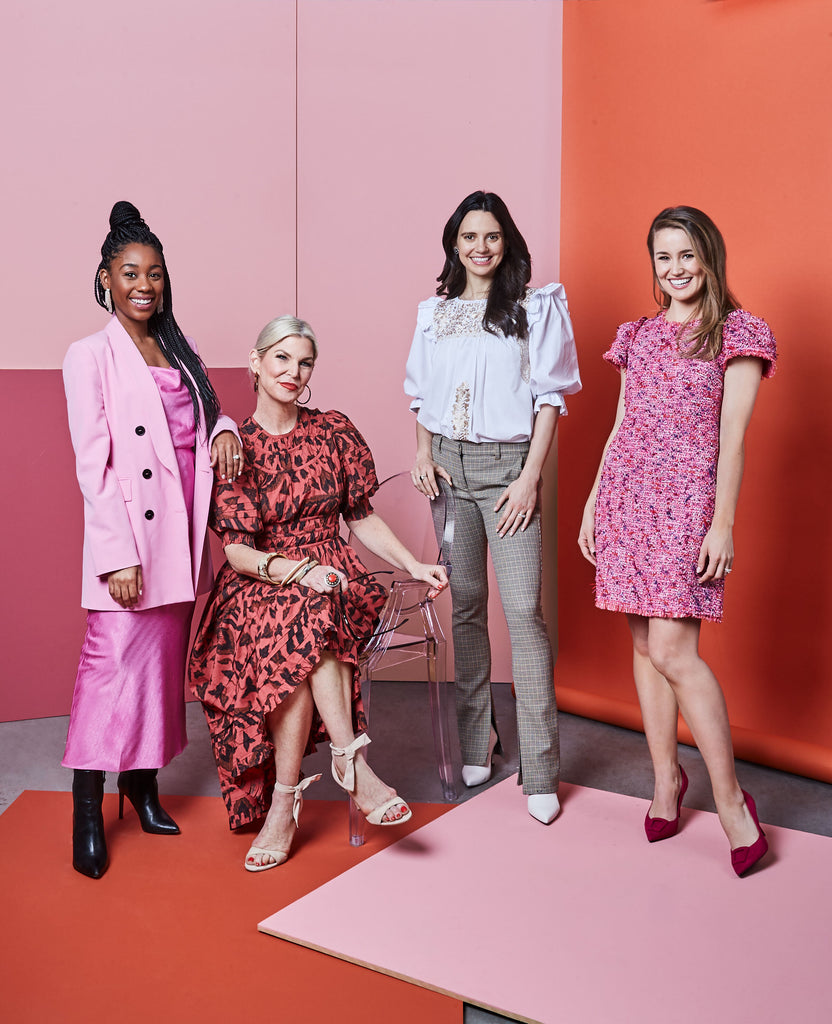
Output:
x=280 y=856
x=347 y=782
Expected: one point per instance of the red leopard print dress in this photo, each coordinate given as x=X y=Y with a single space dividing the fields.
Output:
x=258 y=641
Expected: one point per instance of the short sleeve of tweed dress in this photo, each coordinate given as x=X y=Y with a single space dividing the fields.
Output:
x=748 y=335
x=617 y=352
x=658 y=483
x=258 y=641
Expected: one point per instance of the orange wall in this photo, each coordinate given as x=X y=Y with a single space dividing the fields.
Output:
x=724 y=106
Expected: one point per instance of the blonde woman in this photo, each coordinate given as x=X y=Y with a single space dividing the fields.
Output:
x=275 y=661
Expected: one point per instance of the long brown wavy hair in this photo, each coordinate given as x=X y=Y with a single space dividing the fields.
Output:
x=504 y=312
x=702 y=340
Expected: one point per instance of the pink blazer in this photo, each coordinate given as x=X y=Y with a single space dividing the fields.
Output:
x=134 y=508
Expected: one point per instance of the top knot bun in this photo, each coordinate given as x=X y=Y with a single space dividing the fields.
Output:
x=124 y=213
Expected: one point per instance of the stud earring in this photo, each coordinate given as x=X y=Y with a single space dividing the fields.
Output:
x=108 y=300
x=456 y=251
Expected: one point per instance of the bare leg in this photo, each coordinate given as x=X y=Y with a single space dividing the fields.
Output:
x=674 y=651
x=331 y=686
x=289 y=727
x=660 y=715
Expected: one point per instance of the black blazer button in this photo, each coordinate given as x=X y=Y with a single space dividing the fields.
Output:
x=147 y=473
x=140 y=430
x=149 y=514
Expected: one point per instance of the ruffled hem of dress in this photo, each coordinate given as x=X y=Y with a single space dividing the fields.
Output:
x=256 y=804
x=617 y=606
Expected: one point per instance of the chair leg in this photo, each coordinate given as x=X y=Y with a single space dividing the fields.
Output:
x=438 y=693
x=357 y=821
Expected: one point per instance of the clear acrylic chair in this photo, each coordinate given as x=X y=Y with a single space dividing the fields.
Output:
x=408 y=628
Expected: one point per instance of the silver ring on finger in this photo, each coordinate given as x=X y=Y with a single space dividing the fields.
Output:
x=332 y=579
x=236 y=458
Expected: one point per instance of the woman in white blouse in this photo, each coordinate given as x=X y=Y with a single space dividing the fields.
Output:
x=490 y=363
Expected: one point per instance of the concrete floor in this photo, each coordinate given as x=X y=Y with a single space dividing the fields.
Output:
x=592 y=754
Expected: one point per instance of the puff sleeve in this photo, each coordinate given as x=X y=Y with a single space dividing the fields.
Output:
x=617 y=353
x=235 y=511
x=420 y=361
x=746 y=335
x=553 y=361
x=360 y=481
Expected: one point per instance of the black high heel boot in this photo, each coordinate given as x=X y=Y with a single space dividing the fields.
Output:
x=89 y=847
x=141 y=789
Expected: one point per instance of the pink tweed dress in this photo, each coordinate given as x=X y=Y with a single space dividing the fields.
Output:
x=658 y=485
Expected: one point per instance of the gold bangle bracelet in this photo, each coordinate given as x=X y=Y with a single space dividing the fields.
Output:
x=290 y=576
x=263 y=566
x=310 y=565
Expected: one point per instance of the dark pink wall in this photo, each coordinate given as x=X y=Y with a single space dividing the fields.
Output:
x=41 y=620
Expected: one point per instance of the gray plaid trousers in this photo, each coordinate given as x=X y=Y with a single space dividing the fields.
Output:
x=480 y=473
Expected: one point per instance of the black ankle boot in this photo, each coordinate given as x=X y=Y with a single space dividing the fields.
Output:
x=89 y=847
x=140 y=788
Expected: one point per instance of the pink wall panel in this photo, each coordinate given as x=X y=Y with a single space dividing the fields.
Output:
x=186 y=109
x=42 y=621
x=405 y=109
x=402 y=108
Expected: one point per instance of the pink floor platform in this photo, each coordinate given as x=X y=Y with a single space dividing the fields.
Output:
x=584 y=922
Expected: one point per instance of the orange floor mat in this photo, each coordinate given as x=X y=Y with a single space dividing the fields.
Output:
x=170 y=932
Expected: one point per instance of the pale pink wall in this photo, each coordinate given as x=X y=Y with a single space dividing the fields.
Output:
x=405 y=109
x=189 y=110
x=184 y=108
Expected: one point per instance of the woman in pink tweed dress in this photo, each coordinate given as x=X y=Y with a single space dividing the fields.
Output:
x=658 y=521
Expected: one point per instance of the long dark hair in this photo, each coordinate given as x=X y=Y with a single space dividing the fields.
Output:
x=702 y=340
x=503 y=310
x=128 y=228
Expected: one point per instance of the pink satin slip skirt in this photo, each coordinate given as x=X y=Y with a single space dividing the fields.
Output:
x=128 y=707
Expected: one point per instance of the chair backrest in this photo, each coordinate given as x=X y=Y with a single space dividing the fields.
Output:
x=426 y=528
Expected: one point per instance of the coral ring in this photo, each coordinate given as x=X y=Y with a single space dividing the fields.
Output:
x=332 y=579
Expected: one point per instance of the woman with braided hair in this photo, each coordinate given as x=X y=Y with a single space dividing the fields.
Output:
x=147 y=429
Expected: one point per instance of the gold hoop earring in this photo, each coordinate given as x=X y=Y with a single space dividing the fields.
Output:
x=309 y=397
x=108 y=300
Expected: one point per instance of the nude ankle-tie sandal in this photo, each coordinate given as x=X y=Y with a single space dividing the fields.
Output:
x=376 y=815
x=280 y=856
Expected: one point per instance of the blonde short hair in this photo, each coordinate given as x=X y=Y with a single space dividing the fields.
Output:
x=284 y=327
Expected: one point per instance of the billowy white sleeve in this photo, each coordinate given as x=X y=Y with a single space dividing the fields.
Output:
x=553 y=360
x=420 y=361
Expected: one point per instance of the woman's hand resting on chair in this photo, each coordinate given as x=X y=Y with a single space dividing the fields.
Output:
x=435 y=575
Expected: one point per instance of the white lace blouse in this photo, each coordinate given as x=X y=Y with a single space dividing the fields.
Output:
x=471 y=385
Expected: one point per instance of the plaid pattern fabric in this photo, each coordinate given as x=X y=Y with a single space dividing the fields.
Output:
x=480 y=473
